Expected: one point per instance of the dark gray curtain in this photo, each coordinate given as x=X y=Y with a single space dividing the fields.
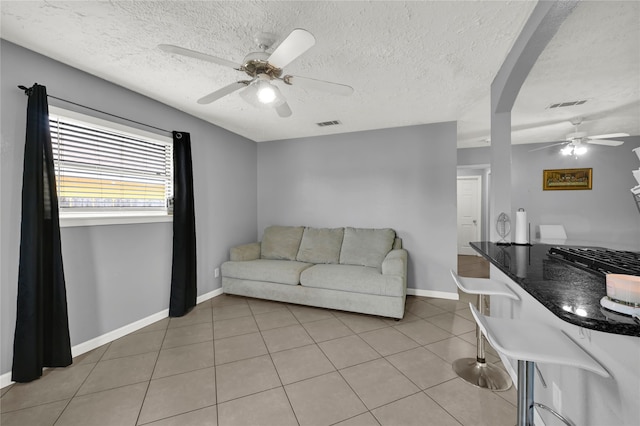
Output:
x=42 y=327
x=183 y=270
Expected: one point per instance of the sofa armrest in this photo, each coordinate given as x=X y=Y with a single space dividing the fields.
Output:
x=245 y=252
x=395 y=263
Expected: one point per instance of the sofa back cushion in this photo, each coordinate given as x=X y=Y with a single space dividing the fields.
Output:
x=321 y=245
x=281 y=242
x=366 y=247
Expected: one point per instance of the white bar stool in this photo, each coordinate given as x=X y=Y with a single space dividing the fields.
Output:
x=476 y=370
x=530 y=342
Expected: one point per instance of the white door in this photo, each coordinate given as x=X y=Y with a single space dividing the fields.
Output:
x=469 y=210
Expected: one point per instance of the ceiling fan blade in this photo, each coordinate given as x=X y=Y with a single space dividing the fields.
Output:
x=607 y=142
x=214 y=96
x=296 y=43
x=169 y=48
x=284 y=110
x=609 y=136
x=325 y=86
x=547 y=146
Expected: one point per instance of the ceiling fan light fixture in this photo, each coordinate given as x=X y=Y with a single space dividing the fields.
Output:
x=262 y=94
x=264 y=68
x=267 y=93
x=573 y=149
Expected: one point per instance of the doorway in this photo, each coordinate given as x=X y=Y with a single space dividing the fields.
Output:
x=469 y=190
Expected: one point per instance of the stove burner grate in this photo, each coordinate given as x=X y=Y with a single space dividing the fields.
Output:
x=599 y=259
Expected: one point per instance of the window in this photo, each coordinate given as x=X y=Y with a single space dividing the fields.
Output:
x=103 y=170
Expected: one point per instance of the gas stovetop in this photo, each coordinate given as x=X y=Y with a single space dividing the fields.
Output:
x=599 y=259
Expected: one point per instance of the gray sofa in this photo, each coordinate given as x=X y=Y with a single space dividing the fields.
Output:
x=350 y=269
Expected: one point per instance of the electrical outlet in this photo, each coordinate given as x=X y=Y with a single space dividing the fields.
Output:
x=557 y=398
x=216 y=272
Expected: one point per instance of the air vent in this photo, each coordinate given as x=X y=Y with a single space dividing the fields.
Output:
x=329 y=123
x=566 y=104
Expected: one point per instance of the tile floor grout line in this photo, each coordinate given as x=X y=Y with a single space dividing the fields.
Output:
x=176 y=415
x=402 y=373
x=33 y=406
x=354 y=391
x=395 y=400
x=420 y=344
x=278 y=373
x=353 y=417
x=155 y=364
x=178 y=346
x=79 y=387
x=442 y=358
x=445 y=410
x=215 y=369
x=453 y=334
x=342 y=320
x=58 y=400
x=276 y=369
x=338 y=371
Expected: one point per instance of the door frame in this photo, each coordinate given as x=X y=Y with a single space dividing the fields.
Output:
x=480 y=224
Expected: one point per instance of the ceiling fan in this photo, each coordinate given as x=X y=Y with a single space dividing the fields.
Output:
x=264 y=69
x=575 y=143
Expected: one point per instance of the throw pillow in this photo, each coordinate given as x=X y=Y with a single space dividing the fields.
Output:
x=281 y=242
x=321 y=245
x=366 y=247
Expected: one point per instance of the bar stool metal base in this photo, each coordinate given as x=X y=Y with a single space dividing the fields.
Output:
x=481 y=374
x=476 y=371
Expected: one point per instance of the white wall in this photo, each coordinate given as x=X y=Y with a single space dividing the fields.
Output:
x=605 y=214
x=119 y=274
x=400 y=178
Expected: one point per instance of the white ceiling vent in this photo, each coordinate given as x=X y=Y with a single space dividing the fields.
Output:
x=329 y=123
x=566 y=104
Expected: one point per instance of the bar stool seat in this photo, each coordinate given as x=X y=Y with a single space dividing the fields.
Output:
x=477 y=371
x=530 y=342
x=483 y=286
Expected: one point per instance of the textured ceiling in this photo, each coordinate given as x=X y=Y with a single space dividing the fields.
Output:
x=409 y=62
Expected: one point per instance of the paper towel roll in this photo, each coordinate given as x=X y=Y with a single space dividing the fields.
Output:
x=522 y=260
x=521 y=227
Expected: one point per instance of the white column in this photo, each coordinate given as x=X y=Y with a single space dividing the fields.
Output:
x=542 y=25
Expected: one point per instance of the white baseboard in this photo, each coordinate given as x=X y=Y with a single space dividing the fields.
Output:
x=89 y=345
x=432 y=293
x=96 y=342
x=209 y=295
x=5 y=380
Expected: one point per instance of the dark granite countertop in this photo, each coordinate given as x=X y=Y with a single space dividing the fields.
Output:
x=569 y=292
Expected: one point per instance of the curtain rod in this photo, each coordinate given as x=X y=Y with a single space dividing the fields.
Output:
x=26 y=91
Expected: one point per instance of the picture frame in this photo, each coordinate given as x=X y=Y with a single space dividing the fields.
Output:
x=567 y=179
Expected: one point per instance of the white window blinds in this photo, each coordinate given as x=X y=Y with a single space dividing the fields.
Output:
x=99 y=169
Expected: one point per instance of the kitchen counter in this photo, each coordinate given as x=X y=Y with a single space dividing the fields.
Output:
x=571 y=293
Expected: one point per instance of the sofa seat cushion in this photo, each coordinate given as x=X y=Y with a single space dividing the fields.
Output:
x=277 y=271
x=352 y=278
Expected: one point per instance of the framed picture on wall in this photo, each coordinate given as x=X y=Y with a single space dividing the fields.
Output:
x=563 y=179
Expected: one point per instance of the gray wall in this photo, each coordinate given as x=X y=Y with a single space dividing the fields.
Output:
x=119 y=274
x=605 y=214
x=401 y=178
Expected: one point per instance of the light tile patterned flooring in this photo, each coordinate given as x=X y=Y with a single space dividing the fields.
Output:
x=241 y=361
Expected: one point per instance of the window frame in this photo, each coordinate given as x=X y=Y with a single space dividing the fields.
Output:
x=96 y=216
